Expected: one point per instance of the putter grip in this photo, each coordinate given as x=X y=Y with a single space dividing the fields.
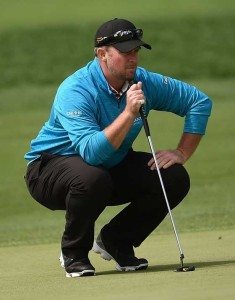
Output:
x=145 y=121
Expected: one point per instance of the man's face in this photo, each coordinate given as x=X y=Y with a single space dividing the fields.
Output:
x=121 y=65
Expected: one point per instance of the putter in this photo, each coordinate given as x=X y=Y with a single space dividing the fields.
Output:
x=182 y=268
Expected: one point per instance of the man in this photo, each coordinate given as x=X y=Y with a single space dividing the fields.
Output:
x=82 y=159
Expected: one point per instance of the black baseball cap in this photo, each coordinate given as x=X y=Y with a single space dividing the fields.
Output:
x=121 y=34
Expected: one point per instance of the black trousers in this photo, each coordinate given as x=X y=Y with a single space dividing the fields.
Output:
x=68 y=183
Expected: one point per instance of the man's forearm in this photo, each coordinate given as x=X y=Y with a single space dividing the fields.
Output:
x=188 y=144
x=117 y=131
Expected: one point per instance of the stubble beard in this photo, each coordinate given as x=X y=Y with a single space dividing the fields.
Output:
x=127 y=75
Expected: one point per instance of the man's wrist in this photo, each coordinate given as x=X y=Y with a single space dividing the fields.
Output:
x=182 y=152
x=129 y=115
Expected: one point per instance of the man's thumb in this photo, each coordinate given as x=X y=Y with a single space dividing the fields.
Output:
x=139 y=85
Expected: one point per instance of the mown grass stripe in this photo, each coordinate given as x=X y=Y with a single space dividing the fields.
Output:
x=183 y=48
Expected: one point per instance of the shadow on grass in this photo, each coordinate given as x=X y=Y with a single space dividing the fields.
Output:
x=159 y=268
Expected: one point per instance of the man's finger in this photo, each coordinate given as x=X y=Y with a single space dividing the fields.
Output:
x=136 y=86
x=150 y=162
x=133 y=87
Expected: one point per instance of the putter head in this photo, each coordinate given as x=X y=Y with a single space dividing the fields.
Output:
x=185 y=269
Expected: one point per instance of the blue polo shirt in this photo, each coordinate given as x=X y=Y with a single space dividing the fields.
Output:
x=85 y=105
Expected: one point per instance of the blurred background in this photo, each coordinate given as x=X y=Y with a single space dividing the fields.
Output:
x=42 y=42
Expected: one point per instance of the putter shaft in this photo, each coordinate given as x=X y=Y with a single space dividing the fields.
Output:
x=147 y=132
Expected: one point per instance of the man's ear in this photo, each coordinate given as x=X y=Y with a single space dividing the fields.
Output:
x=101 y=54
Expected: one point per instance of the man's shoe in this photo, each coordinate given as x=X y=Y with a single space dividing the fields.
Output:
x=76 y=267
x=124 y=261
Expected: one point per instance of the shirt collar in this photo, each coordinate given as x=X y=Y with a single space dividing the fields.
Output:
x=124 y=89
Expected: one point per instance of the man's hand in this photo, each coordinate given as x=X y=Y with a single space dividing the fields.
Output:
x=117 y=131
x=167 y=158
x=134 y=99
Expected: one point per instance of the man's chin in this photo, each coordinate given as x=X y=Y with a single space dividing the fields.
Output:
x=130 y=75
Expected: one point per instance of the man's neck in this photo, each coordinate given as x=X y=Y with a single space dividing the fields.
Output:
x=115 y=83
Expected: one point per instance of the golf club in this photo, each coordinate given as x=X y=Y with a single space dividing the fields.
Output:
x=182 y=268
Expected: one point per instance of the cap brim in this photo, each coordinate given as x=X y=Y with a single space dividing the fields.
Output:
x=130 y=45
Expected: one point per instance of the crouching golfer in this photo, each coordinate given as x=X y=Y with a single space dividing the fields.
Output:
x=82 y=159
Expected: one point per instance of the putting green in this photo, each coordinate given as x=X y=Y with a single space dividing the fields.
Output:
x=33 y=272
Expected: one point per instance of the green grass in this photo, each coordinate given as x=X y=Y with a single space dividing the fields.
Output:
x=196 y=44
x=41 y=43
x=31 y=13
x=187 y=51
x=36 y=273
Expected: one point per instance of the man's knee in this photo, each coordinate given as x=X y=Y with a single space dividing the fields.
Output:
x=177 y=184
